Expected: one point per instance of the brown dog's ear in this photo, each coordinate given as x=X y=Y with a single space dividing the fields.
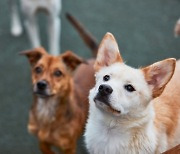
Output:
x=71 y=60
x=34 y=55
x=159 y=74
x=108 y=52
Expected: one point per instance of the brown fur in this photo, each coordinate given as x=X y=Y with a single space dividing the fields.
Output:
x=65 y=123
x=175 y=150
x=87 y=37
x=167 y=108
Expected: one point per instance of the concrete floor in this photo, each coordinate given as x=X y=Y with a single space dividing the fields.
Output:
x=144 y=31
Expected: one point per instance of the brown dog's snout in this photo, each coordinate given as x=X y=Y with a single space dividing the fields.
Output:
x=105 y=89
x=42 y=85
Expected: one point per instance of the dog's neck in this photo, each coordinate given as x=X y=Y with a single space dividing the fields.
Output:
x=129 y=121
x=49 y=109
x=128 y=133
x=46 y=109
x=129 y=125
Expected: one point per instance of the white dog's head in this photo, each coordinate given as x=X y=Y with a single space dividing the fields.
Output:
x=121 y=89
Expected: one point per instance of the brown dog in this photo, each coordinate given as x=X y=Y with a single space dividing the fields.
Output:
x=60 y=106
x=174 y=150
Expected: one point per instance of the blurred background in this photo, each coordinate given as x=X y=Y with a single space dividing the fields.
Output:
x=144 y=32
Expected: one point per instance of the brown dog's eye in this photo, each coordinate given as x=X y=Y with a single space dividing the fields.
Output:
x=106 y=78
x=129 y=88
x=57 y=73
x=38 y=70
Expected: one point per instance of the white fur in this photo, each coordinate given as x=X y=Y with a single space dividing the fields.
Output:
x=29 y=10
x=178 y=21
x=121 y=75
x=16 y=28
x=130 y=132
x=46 y=109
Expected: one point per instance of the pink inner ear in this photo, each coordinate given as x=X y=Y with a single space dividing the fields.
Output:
x=159 y=74
x=158 y=78
x=108 y=59
x=108 y=52
x=155 y=80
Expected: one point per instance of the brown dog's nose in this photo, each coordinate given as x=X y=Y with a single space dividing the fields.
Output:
x=105 y=89
x=41 y=85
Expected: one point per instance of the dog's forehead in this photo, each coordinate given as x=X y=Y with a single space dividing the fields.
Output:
x=121 y=71
x=51 y=62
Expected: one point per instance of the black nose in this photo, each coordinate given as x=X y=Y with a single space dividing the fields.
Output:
x=41 y=85
x=105 y=89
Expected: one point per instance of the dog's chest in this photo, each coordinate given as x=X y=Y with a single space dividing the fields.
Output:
x=46 y=110
x=103 y=139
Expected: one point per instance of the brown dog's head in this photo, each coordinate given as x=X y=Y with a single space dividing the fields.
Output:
x=51 y=75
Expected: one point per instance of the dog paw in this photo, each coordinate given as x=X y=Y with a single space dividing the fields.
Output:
x=16 y=31
x=32 y=129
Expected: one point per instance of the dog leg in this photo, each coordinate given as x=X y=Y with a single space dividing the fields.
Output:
x=70 y=151
x=32 y=124
x=54 y=26
x=46 y=148
x=32 y=30
x=16 y=28
x=67 y=145
x=71 y=148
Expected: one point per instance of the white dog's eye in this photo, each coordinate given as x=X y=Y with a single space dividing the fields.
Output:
x=129 y=88
x=106 y=78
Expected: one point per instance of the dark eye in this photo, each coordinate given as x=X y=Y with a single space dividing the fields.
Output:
x=58 y=73
x=129 y=88
x=38 y=70
x=106 y=78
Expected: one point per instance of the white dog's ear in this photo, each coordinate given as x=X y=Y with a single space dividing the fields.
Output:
x=108 y=52
x=159 y=74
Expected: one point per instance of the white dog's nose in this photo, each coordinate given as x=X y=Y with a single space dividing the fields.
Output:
x=105 y=89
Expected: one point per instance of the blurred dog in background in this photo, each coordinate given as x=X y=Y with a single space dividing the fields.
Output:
x=29 y=9
x=16 y=27
x=60 y=105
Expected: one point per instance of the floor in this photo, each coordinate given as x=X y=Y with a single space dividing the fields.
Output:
x=143 y=29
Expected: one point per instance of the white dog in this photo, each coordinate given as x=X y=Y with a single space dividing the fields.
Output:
x=132 y=111
x=29 y=9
